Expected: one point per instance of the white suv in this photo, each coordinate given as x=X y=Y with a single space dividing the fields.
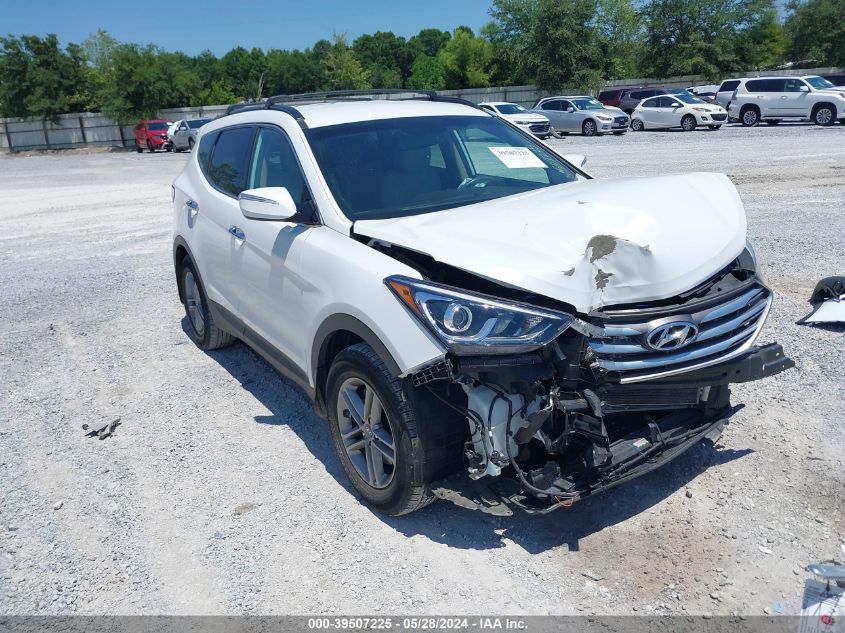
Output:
x=452 y=294
x=772 y=99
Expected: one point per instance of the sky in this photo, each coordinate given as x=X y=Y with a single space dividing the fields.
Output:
x=220 y=25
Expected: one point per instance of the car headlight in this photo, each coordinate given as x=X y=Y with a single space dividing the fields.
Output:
x=470 y=323
x=702 y=109
x=748 y=260
x=604 y=117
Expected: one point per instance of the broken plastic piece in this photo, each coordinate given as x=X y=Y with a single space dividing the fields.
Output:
x=828 y=301
x=102 y=429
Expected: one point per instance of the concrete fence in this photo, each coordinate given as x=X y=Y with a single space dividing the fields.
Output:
x=93 y=129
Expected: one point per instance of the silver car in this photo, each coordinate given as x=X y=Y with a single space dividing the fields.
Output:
x=582 y=114
x=185 y=135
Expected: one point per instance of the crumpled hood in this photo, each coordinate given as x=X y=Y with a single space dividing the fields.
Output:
x=589 y=243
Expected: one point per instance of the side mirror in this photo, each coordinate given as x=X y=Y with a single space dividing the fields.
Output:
x=267 y=203
x=570 y=109
x=804 y=88
x=579 y=160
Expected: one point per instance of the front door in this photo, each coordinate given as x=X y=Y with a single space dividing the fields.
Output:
x=270 y=288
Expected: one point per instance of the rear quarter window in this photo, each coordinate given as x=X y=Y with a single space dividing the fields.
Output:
x=204 y=153
x=728 y=86
x=227 y=168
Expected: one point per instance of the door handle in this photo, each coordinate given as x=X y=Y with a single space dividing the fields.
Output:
x=237 y=233
x=193 y=206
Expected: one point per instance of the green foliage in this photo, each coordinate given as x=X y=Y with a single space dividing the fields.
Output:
x=816 y=31
x=343 y=70
x=465 y=60
x=427 y=72
x=385 y=57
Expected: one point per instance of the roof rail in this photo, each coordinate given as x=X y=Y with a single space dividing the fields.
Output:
x=281 y=102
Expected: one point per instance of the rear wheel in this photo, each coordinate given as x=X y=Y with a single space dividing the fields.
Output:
x=637 y=125
x=688 y=123
x=374 y=432
x=749 y=116
x=201 y=326
x=589 y=128
x=824 y=115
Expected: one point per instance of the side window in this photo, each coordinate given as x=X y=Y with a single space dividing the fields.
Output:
x=229 y=161
x=793 y=85
x=488 y=108
x=551 y=105
x=755 y=85
x=775 y=85
x=650 y=103
x=274 y=164
x=637 y=94
x=729 y=86
x=565 y=105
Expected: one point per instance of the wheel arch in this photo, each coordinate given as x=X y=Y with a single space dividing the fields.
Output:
x=180 y=251
x=336 y=333
x=819 y=105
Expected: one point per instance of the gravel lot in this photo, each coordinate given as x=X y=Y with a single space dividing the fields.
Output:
x=220 y=493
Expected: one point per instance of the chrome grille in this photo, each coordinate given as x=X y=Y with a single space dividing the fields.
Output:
x=726 y=328
x=621 y=120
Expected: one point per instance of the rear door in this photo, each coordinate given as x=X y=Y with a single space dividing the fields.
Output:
x=552 y=110
x=224 y=159
x=773 y=98
x=650 y=112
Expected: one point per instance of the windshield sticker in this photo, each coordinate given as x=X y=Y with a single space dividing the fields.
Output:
x=517 y=157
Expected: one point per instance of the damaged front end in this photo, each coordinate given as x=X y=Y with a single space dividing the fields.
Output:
x=565 y=406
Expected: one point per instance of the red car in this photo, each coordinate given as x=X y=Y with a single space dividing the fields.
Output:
x=151 y=134
x=613 y=96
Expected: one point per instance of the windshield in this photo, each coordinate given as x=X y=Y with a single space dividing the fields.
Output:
x=819 y=83
x=159 y=125
x=397 y=167
x=510 y=108
x=197 y=123
x=687 y=98
x=587 y=104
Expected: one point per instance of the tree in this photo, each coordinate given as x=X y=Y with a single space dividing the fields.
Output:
x=466 y=60
x=427 y=73
x=620 y=37
x=428 y=42
x=37 y=78
x=816 y=31
x=385 y=57
x=553 y=42
x=343 y=70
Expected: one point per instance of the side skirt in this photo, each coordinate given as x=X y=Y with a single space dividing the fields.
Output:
x=261 y=346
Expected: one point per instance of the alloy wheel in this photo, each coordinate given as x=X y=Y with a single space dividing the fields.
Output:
x=750 y=117
x=636 y=125
x=824 y=116
x=688 y=124
x=589 y=128
x=366 y=433
x=193 y=303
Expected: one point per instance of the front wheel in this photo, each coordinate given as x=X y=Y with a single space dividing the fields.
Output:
x=824 y=115
x=190 y=144
x=637 y=125
x=374 y=432
x=589 y=128
x=688 y=123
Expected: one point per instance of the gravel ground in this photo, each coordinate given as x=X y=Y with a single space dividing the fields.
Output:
x=220 y=493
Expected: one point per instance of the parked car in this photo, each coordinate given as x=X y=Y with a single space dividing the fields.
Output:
x=454 y=295
x=705 y=93
x=836 y=80
x=151 y=134
x=726 y=90
x=678 y=110
x=772 y=99
x=537 y=124
x=613 y=96
x=185 y=135
x=631 y=98
x=582 y=115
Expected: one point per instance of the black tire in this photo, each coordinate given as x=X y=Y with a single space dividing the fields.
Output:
x=139 y=149
x=190 y=145
x=688 y=123
x=150 y=148
x=637 y=125
x=749 y=116
x=772 y=121
x=824 y=115
x=209 y=336
x=589 y=128
x=408 y=489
